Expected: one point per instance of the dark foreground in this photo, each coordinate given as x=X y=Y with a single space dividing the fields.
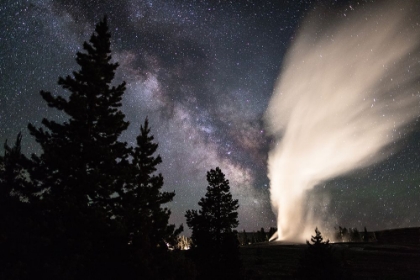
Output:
x=278 y=260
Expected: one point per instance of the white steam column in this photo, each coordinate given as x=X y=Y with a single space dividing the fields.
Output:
x=347 y=88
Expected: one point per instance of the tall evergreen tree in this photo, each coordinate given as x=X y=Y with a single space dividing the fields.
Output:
x=142 y=198
x=81 y=156
x=218 y=215
x=212 y=227
x=95 y=189
x=81 y=165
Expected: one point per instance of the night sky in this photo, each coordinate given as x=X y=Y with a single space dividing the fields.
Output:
x=203 y=72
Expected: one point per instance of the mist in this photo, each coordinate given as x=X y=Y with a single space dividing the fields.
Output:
x=345 y=95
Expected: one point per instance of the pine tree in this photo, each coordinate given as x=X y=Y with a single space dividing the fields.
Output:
x=317 y=240
x=80 y=156
x=218 y=214
x=212 y=227
x=97 y=191
x=318 y=261
x=82 y=166
x=142 y=198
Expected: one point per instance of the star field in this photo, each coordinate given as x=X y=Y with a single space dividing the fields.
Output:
x=203 y=73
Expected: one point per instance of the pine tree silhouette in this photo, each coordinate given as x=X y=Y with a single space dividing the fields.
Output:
x=82 y=163
x=212 y=227
x=142 y=198
x=101 y=205
x=80 y=156
x=318 y=261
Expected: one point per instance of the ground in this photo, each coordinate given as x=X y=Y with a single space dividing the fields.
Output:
x=277 y=260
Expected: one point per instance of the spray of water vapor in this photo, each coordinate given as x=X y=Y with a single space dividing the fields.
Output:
x=345 y=92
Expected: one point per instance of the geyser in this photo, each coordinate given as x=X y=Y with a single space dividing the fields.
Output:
x=346 y=91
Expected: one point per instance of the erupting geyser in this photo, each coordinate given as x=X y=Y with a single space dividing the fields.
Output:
x=346 y=90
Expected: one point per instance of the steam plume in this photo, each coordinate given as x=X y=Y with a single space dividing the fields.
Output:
x=344 y=94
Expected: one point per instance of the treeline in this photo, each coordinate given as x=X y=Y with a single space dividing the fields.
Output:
x=88 y=206
x=343 y=234
x=246 y=238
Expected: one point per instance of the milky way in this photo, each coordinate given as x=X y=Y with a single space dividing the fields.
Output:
x=203 y=73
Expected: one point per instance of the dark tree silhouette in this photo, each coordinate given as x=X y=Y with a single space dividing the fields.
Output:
x=81 y=156
x=215 y=241
x=101 y=202
x=343 y=235
x=82 y=163
x=262 y=236
x=14 y=180
x=365 y=235
x=318 y=261
x=354 y=235
x=142 y=198
x=18 y=225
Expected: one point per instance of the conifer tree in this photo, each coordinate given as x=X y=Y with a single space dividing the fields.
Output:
x=96 y=190
x=80 y=156
x=218 y=215
x=142 y=198
x=81 y=165
x=318 y=261
x=213 y=226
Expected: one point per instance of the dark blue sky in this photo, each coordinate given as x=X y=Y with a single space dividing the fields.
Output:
x=203 y=72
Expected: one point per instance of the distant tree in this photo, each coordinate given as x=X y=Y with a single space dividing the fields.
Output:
x=337 y=234
x=365 y=235
x=318 y=261
x=215 y=241
x=317 y=240
x=354 y=235
x=262 y=237
x=345 y=236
